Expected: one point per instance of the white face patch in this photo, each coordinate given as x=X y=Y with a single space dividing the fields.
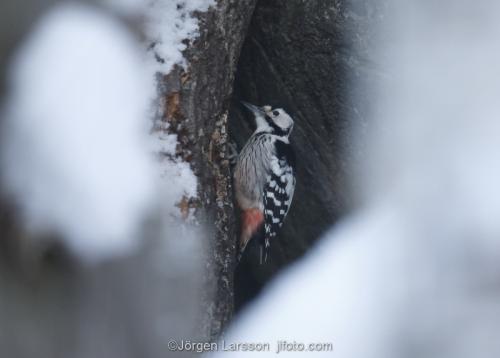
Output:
x=280 y=117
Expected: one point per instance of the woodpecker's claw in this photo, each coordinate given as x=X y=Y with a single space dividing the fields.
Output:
x=233 y=153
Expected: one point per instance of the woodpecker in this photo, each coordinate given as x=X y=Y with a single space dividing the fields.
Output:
x=264 y=177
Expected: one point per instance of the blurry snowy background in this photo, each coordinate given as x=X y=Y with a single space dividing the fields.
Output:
x=77 y=155
x=87 y=165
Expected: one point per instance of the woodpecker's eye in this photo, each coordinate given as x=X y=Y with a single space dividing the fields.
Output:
x=276 y=113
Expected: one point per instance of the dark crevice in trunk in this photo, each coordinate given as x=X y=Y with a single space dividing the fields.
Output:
x=303 y=56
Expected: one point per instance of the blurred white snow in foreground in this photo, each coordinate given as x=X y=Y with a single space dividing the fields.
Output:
x=416 y=272
x=76 y=153
x=74 y=145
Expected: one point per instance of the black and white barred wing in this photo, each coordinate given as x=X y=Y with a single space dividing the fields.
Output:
x=278 y=195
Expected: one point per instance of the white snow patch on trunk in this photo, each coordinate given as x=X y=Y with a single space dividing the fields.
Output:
x=169 y=26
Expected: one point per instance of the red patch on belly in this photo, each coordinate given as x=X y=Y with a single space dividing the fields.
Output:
x=252 y=219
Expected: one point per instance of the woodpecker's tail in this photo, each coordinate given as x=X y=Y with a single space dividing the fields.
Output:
x=263 y=246
x=240 y=254
x=257 y=237
x=264 y=249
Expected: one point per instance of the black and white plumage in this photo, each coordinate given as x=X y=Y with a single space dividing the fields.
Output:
x=279 y=189
x=265 y=177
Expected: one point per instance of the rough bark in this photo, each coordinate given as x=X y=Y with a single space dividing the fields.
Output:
x=304 y=56
x=197 y=109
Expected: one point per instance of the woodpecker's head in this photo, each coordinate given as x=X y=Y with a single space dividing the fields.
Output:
x=275 y=121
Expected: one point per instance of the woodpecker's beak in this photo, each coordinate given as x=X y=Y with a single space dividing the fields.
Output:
x=256 y=110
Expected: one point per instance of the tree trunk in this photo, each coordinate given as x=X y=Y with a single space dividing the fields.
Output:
x=197 y=103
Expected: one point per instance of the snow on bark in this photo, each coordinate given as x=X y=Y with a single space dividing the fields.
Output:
x=170 y=26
